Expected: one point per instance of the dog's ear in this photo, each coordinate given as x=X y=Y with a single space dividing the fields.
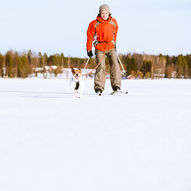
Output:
x=72 y=69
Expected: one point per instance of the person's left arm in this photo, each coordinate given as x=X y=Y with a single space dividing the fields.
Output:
x=116 y=30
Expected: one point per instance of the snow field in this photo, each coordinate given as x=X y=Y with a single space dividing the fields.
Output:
x=50 y=140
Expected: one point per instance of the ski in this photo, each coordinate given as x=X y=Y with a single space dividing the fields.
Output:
x=119 y=92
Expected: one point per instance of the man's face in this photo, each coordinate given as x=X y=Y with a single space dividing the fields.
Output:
x=104 y=15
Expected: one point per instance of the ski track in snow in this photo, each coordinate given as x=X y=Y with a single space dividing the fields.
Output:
x=50 y=140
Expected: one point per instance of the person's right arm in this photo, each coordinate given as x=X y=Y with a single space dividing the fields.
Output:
x=90 y=38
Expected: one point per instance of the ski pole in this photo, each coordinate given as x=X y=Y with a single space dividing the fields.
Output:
x=120 y=63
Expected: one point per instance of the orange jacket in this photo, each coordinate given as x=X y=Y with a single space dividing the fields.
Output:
x=105 y=32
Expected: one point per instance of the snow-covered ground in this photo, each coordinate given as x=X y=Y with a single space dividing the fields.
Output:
x=52 y=141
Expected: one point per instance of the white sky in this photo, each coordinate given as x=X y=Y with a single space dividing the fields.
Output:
x=55 y=26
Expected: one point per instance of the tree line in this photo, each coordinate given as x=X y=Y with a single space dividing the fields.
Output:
x=15 y=64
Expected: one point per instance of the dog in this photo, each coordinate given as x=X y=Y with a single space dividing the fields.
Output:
x=77 y=83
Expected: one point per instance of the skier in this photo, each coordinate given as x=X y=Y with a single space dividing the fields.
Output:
x=102 y=32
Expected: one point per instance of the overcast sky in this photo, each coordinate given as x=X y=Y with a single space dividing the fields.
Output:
x=55 y=26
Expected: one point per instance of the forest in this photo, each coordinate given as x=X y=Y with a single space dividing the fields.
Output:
x=15 y=64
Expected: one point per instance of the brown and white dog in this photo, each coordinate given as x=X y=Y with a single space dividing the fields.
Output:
x=77 y=83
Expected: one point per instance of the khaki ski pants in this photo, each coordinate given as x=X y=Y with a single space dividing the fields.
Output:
x=115 y=73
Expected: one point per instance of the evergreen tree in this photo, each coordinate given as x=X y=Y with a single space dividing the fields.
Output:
x=45 y=59
x=23 y=69
x=29 y=57
x=168 y=67
x=146 y=67
x=182 y=67
x=41 y=60
x=52 y=60
x=9 y=63
x=62 y=59
x=130 y=64
x=15 y=64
